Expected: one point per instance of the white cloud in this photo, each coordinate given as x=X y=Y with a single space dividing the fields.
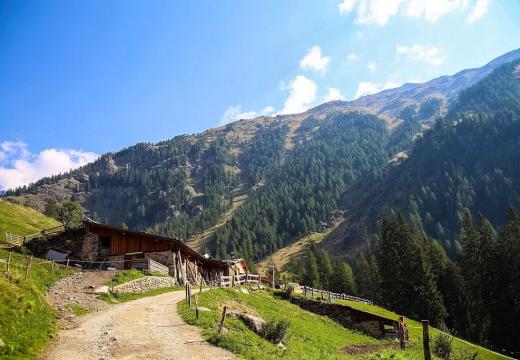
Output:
x=479 y=10
x=372 y=67
x=425 y=53
x=268 y=110
x=235 y=113
x=302 y=93
x=333 y=94
x=369 y=88
x=352 y=57
x=18 y=166
x=314 y=60
x=380 y=11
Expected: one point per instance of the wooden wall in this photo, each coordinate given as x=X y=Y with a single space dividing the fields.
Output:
x=129 y=243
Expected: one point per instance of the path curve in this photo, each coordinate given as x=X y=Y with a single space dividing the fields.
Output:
x=147 y=328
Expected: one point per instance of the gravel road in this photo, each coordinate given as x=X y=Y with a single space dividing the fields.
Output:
x=148 y=328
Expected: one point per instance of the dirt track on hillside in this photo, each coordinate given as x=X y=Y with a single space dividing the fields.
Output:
x=148 y=328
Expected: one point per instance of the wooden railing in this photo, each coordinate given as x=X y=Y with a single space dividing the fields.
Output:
x=236 y=280
x=331 y=296
x=149 y=264
x=20 y=240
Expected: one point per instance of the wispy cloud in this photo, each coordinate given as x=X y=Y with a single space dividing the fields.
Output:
x=380 y=11
x=479 y=10
x=315 y=60
x=18 y=166
x=418 y=52
x=333 y=94
x=372 y=67
x=369 y=88
x=352 y=57
x=235 y=113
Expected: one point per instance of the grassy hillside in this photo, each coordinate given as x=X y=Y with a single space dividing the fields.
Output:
x=309 y=336
x=27 y=322
x=415 y=331
x=22 y=220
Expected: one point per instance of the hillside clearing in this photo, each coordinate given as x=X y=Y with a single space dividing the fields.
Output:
x=200 y=241
x=283 y=256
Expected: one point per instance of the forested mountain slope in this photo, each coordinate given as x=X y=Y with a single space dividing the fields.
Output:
x=295 y=170
x=469 y=159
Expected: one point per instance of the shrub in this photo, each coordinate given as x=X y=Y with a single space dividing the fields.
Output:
x=442 y=344
x=276 y=329
x=463 y=354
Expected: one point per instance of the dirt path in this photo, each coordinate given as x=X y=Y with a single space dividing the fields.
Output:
x=148 y=328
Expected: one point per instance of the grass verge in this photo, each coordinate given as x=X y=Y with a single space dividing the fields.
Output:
x=27 y=322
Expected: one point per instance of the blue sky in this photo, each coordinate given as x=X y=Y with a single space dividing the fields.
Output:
x=81 y=78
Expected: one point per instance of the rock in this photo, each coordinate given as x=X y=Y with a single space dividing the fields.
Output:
x=202 y=308
x=255 y=323
x=2 y=343
x=103 y=289
x=244 y=291
x=281 y=346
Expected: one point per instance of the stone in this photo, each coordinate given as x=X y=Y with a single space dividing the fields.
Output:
x=255 y=323
x=244 y=290
x=102 y=289
x=202 y=308
x=2 y=343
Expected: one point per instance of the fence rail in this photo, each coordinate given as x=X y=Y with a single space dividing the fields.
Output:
x=15 y=239
x=236 y=280
x=329 y=295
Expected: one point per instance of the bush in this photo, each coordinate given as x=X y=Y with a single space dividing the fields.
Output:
x=276 y=329
x=464 y=354
x=442 y=344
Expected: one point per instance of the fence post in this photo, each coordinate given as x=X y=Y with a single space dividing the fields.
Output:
x=28 y=267
x=200 y=289
x=189 y=295
x=8 y=261
x=400 y=330
x=68 y=260
x=426 y=339
x=222 y=319
x=196 y=307
x=52 y=265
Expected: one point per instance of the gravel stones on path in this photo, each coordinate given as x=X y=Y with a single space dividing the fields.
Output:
x=145 y=284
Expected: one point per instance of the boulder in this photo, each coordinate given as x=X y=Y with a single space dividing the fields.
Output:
x=2 y=343
x=102 y=289
x=255 y=323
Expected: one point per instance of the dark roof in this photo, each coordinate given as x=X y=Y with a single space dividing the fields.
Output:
x=185 y=248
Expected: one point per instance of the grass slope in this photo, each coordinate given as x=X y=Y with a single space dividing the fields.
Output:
x=292 y=252
x=26 y=321
x=415 y=332
x=22 y=220
x=310 y=336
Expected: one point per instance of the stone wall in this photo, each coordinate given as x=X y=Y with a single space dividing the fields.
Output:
x=343 y=315
x=90 y=247
x=162 y=257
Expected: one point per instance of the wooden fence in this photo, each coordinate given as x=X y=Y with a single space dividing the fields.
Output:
x=149 y=264
x=331 y=296
x=236 y=280
x=18 y=240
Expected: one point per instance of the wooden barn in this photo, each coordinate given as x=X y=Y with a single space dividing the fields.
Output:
x=101 y=246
